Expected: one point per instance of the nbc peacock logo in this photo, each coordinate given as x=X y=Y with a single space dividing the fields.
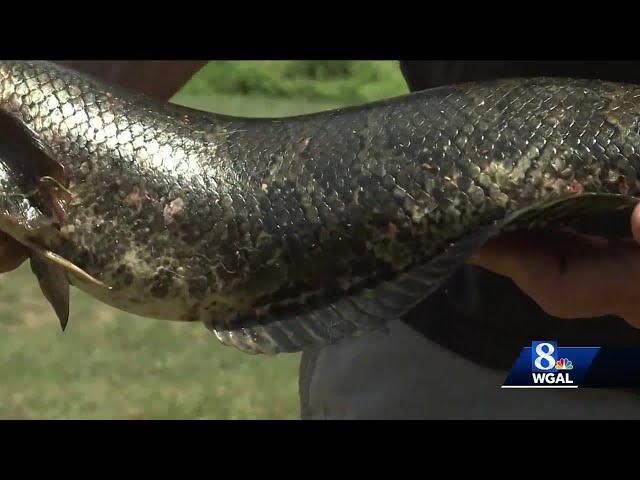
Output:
x=564 y=364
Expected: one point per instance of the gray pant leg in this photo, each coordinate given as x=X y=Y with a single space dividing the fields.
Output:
x=403 y=375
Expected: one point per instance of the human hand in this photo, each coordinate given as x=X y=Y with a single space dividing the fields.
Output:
x=571 y=275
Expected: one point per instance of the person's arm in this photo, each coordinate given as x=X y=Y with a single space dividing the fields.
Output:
x=568 y=275
x=160 y=79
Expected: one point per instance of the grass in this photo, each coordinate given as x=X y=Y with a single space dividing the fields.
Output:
x=109 y=364
x=112 y=365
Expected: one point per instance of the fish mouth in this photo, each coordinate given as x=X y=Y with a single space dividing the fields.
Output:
x=34 y=191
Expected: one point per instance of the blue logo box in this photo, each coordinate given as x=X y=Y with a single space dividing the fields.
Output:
x=544 y=356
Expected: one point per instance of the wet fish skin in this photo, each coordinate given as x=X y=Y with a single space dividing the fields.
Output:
x=249 y=224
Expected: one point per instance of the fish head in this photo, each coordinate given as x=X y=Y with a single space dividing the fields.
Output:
x=33 y=196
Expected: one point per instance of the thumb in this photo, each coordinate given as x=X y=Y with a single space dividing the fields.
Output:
x=635 y=223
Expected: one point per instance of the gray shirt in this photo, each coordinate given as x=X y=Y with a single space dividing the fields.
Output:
x=448 y=357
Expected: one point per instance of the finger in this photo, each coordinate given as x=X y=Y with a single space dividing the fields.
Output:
x=635 y=223
x=509 y=254
x=632 y=318
x=12 y=254
x=569 y=276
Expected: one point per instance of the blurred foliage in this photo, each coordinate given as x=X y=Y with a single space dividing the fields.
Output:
x=339 y=81
x=109 y=364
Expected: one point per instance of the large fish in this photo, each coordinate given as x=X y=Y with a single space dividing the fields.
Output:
x=284 y=233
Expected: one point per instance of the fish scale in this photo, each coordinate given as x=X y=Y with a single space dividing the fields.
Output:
x=282 y=233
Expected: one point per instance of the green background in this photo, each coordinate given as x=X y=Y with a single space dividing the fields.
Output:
x=109 y=364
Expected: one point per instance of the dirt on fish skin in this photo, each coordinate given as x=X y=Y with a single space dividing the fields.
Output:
x=273 y=231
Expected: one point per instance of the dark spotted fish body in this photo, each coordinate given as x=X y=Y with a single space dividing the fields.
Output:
x=284 y=233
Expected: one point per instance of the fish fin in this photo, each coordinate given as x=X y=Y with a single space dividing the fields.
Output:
x=368 y=309
x=28 y=235
x=54 y=285
x=568 y=210
x=64 y=264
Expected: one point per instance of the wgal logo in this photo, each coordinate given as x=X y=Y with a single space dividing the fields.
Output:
x=546 y=367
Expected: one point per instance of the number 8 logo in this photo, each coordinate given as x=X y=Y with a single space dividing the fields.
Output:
x=545 y=352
